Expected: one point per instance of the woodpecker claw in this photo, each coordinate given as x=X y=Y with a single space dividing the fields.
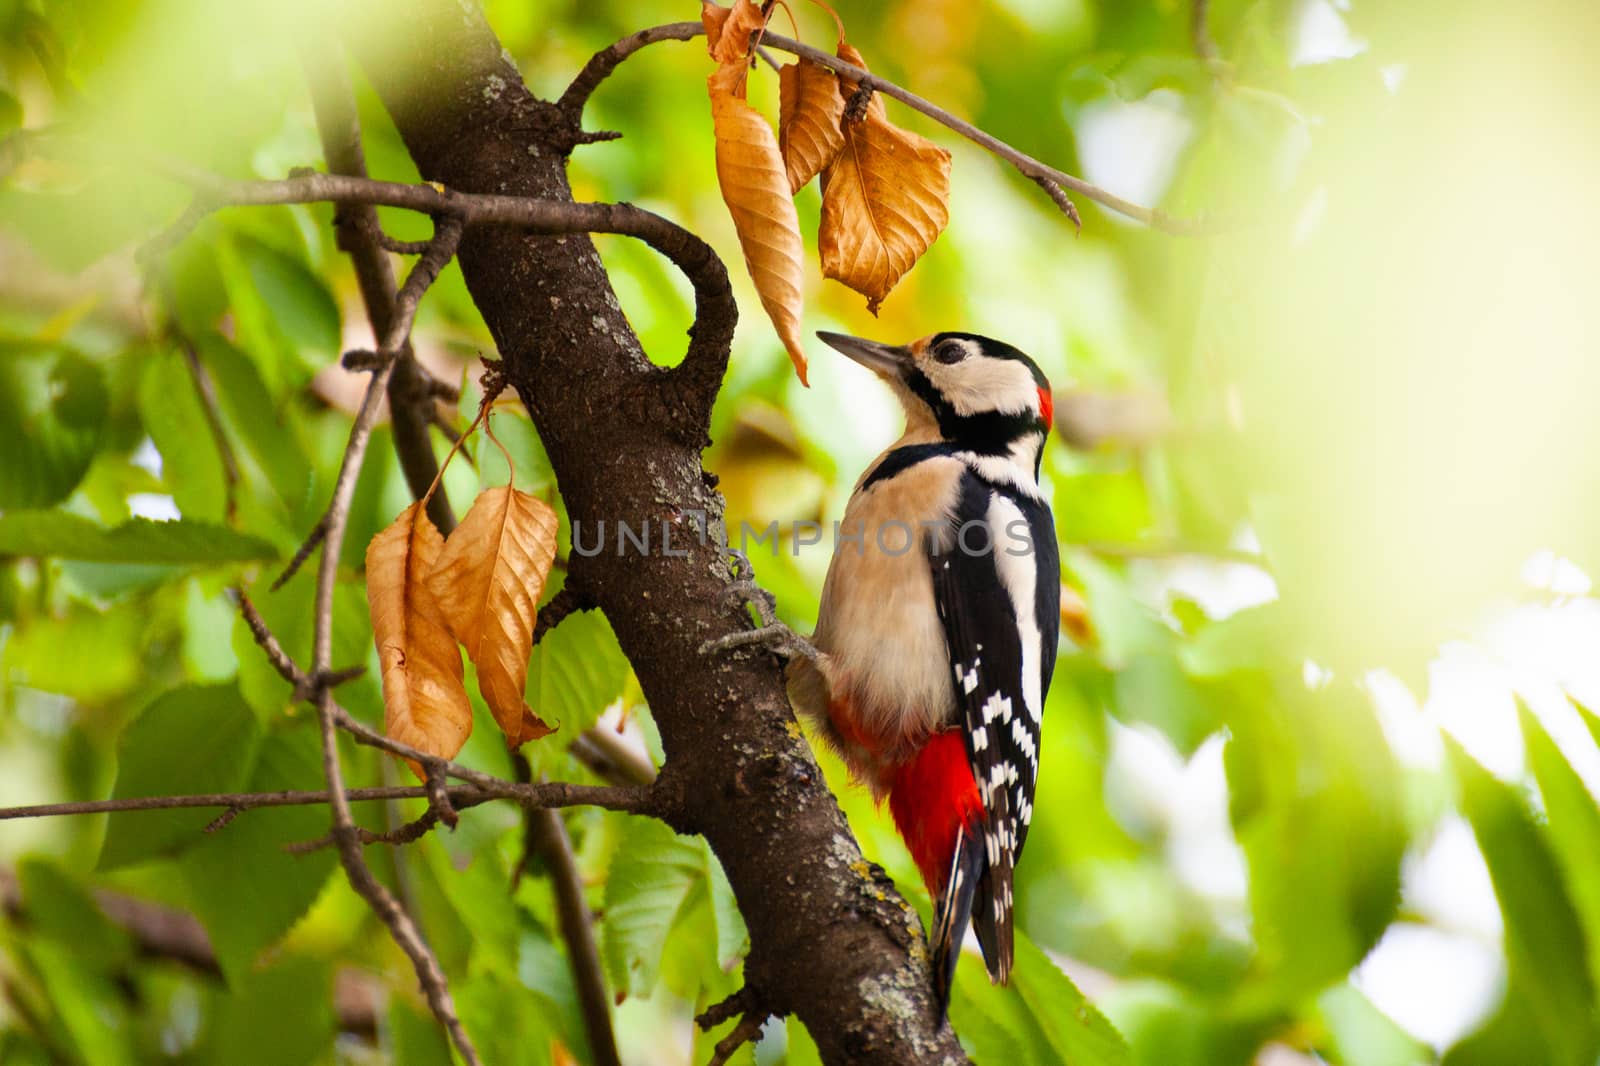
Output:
x=775 y=637
x=771 y=633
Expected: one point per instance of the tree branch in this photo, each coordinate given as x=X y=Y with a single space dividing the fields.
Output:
x=605 y=61
x=689 y=388
x=830 y=942
x=632 y=799
x=545 y=836
x=362 y=238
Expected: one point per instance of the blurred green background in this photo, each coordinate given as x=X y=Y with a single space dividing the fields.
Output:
x=1318 y=781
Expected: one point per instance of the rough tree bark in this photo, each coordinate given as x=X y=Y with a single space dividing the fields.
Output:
x=831 y=941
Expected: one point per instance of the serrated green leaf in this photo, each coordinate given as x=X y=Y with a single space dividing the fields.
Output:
x=170 y=408
x=52 y=416
x=194 y=739
x=652 y=878
x=59 y=535
x=576 y=672
x=1042 y=1018
x=1548 y=1014
x=247 y=890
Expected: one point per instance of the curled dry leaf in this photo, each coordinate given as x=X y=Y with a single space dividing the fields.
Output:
x=810 y=113
x=885 y=199
x=728 y=29
x=425 y=703
x=751 y=174
x=487 y=583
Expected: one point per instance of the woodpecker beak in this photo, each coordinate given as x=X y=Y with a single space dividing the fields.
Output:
x=885 y=360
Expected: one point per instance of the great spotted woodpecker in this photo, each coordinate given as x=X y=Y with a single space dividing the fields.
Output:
x=937 y=632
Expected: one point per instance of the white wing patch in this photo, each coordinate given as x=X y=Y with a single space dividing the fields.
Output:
x=1021 y=581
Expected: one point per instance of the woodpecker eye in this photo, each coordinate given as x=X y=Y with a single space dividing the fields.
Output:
x=950 y=351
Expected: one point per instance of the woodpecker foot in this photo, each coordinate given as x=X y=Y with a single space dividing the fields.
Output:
x=771 y=634
x=775 y=637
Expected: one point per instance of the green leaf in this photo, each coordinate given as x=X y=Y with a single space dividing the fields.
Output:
x=1548 y=1014
x=10 y=113
x=170 y=408
x=1041 y=1018
x=576 y=672
x=1574 y=829
x=88 y=654
x=652 y=878
x=412 y=1037
x=284 y=314
x=208 y=654
x=82 y=1002
x=52 y=416
x=59 y=535
x=263 y=422
x=191 y=740
x=58 y=908
x=1364 y=1035
x=1250 y=639
x=267 y=1017
x=733 y=938
x=1317 y=808
x=247 y=890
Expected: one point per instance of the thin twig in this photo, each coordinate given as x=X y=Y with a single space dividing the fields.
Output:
x=611 y=759
x=607 y=60
x=280 y=660
x=302 y=553
x=207 y=391
x=393 y=244
x=1059 y=197
x=1200 y=32
x=631 y=799
x=404 y=932
x=545 y=836
x=748 y=1029
x=565 y=602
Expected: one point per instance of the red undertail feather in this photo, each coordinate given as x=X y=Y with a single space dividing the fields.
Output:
x=932 y=798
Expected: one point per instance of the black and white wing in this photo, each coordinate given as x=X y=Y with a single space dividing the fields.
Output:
x=997 y=585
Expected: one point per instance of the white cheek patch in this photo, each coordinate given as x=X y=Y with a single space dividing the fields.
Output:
x=980 y=383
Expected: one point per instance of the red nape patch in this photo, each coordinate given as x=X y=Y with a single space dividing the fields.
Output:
x=932 y=796
x=1047 y=407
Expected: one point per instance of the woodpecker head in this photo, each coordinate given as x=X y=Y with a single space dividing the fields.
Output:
x=982 y=394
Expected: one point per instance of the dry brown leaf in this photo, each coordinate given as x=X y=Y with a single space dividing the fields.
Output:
x=728 y=29
x=810 y=111
x=756 y=190
x=885 y=200
x=425 y=703
x=487 y=583
x=1075 y=620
